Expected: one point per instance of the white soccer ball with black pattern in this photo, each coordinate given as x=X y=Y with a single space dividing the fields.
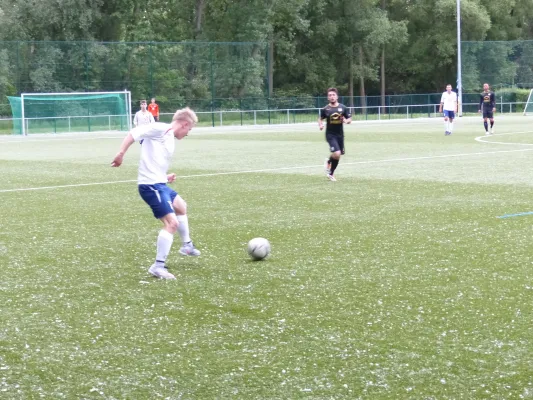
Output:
x=258 y=248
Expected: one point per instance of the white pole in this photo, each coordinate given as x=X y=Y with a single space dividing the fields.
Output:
x=527 y=102
x=459 y=76
x=128 y=109
x=23 y=127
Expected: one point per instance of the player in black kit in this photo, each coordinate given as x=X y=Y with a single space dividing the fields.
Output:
x=487 y=105
x=335 y=115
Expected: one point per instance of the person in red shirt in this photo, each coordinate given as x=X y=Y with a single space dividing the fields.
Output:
x=154 y=110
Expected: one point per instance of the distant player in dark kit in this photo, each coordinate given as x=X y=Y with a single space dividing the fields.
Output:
x=335 y=115
x=487 y=105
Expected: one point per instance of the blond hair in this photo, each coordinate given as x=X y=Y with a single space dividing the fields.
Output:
x=186 y=114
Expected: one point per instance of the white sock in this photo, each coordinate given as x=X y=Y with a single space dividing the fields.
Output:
x=164 y=243
x=446 y=125
x=183 y=228
x=450 y=129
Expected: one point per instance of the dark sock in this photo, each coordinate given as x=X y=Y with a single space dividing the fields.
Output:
x=486 y=126
x=334 y=164
x=491 y=124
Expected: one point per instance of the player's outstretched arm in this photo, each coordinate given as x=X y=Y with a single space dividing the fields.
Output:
x=126 y=143
x=320 y=124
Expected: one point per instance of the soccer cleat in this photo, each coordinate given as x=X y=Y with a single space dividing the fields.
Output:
x=487 y=133
x=492 y=131
x=332 y=178
x=160 y=272
x=188 y=249
x=327 y=166
x=446 y=133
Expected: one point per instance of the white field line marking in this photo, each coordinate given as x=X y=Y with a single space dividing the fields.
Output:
x=482 y=139
x=65 y=186
x=277 y=169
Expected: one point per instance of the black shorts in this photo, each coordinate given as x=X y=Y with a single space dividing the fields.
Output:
x=488 y=114
x=336 y=142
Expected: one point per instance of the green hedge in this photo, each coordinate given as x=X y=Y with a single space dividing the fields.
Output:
x=512 y=95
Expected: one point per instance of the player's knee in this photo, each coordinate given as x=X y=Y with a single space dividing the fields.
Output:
x=180 y=206
x=172 y=225
x=336 y=155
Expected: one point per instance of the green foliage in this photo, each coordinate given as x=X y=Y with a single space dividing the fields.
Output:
x=512 y=95
x=501 y=64
x=316 y=43
x=7 y=84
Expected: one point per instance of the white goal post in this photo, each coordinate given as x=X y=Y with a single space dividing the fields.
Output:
x=528 y=104
x=71 y=97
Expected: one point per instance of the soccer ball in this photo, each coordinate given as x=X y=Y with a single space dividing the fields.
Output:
x=258 y=248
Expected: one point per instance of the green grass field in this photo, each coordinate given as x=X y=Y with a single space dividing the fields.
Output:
x=399 y=281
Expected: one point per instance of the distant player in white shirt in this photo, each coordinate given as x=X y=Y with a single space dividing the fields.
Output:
x=166 y=204
x=448 y=102
x=143 y=116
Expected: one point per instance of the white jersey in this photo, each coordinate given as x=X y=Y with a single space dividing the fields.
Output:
x=449 y=100
x=143 y=118
x=156 y=152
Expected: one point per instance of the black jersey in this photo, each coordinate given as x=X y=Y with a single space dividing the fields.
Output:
x=334 y=117
x=487 y=101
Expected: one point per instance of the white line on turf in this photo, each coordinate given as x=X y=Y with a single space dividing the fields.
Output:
x=483 y=139
x=482 y=153
x=65 y=186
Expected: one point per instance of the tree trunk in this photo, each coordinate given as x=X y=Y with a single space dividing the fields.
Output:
x=383 y=100
x=270 y=67
x=350 y=78
x=197 y=30
x=362 y=80
x=198 y=15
